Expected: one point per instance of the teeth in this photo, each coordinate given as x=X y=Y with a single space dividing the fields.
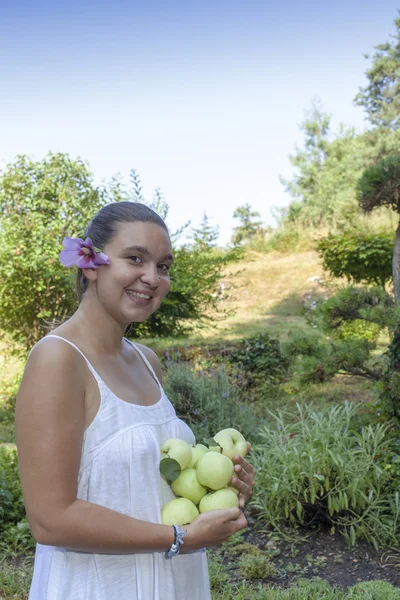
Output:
x=138 y=295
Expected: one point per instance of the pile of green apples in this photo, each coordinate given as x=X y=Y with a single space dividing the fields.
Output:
x=200 y=475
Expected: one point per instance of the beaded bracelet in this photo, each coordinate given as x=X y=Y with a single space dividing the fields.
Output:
x=178 y=540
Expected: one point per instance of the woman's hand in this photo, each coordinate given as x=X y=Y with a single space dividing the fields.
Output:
x=243 y=478
x=212 y=528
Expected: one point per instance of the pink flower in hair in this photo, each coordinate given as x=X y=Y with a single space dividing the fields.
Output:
x=82 y=254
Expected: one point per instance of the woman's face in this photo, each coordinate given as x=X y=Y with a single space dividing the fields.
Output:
x=137 y=279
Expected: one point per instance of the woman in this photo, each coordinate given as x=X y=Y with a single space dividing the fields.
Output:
x=91 y=415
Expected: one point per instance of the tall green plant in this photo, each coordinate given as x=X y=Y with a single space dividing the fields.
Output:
x=40 y=203
x=321 y=468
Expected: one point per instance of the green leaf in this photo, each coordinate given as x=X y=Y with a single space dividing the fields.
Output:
x=170 y=469
x=210 y=442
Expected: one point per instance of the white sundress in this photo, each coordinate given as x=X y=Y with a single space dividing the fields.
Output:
x=119 y=469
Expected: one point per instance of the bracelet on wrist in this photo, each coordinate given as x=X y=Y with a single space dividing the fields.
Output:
x=178 y=540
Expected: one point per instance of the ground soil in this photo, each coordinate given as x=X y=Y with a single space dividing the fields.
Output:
x=324 y=555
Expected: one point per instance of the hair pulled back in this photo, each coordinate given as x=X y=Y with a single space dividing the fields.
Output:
x=103 y=226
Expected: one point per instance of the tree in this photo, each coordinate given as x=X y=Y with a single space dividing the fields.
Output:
x=250 y=224
x=379 y=187
x=40 y=203
x=328 y=167
x=381 y=97
x=205 y=236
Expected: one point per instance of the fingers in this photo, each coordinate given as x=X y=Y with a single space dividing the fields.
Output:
x=244 y=464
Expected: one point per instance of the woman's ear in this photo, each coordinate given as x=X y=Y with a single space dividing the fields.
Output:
x=90 y=274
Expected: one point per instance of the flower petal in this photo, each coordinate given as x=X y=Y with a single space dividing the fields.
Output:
x=91 y=264
x=88 y=242
x=72 y=243
x=69 y=257
x=101 y=259
x=85 y=262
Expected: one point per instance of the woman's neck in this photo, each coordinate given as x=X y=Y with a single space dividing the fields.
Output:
x=96 y=327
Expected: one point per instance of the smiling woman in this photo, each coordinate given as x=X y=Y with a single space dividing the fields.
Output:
x=91 y=417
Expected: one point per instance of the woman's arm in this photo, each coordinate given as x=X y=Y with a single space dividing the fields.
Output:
x=50 y=417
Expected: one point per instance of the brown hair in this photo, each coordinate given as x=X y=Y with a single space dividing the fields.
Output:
x=103 y=226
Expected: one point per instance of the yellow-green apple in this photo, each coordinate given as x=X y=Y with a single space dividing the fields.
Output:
x=179 y=511
x=232 y=442
x=178 y=450
x=224 y=498
x=188 y=486
x=214 y=470
x=235 y=490
x=197 y=452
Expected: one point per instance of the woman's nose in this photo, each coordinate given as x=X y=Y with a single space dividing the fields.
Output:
x=151 y=276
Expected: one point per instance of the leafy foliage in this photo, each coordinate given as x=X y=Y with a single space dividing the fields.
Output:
x=358 y=255
x=381 y=97
x=380 y=185
x=320 y=468
x=208 y=401
x=250 y=224
x=327 y=169
x=260 y=358
x=40 y=203
x=356 y=303
x=14 y=529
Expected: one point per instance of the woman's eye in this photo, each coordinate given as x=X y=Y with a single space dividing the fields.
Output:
x=164 y=268
x=135 y=259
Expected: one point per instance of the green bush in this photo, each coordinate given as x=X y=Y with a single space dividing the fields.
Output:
x=358 y=255
x=15 y=534
x=261 y=358
x=314 y=358
x=40 y=203
x=256 y=567
x=372 y=306
x=309 y=589
x=208 y=401
x=322 y=467
x=373 y=590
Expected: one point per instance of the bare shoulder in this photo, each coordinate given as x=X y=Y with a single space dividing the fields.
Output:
x=153 y=360
x=54 y=357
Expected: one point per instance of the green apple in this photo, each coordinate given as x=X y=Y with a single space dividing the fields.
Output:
x=188 y=486
x=178 y=450
x=224 y=498
x=197 y=452
x=235 y=490
x=178 y=512
x=232 y=442
x=214 y=470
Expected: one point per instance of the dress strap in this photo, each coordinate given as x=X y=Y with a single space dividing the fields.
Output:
x=146 y=361
x=90 y=367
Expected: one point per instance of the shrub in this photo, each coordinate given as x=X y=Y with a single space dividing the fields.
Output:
x=40 y=203
x=14 y=529
x=321 y=468
x=208 y=401
x=316 y=359
x=359 y=256
x=354 y=305
x=373 y=590
x=256 y=567
x=261 y=358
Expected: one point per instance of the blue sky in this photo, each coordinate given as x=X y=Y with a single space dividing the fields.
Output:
x=204 y=98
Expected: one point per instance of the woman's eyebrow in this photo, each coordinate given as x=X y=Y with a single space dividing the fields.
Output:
x=144 y=250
